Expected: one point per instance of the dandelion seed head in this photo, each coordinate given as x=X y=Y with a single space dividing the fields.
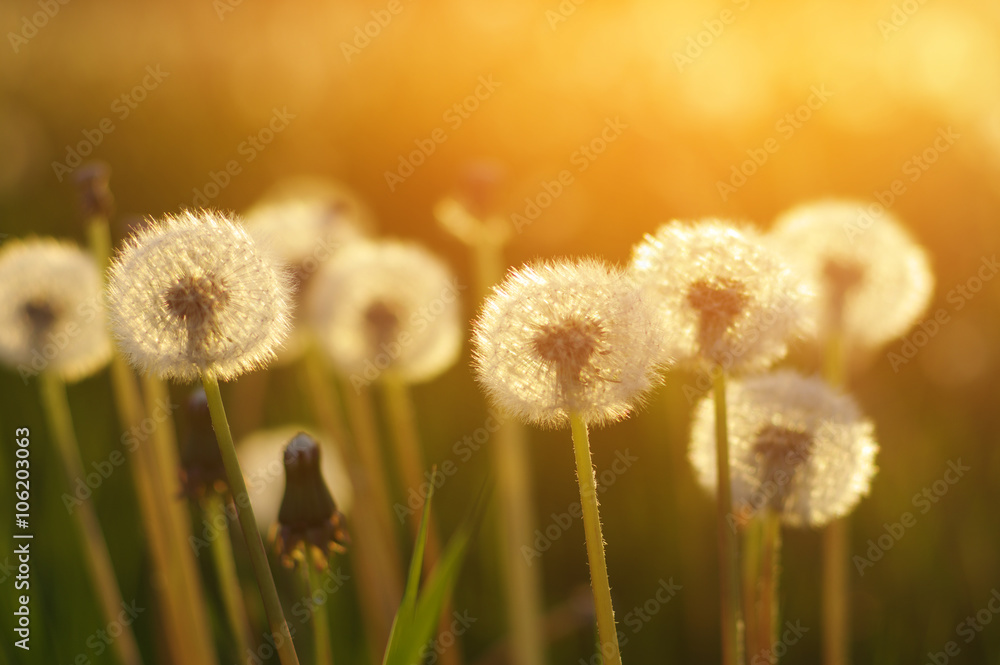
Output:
x=567 y=337
x=387 y=306
x=195 y=293
x=731 y=300
x=796 y=447
x=52 y=315
x=873 y=279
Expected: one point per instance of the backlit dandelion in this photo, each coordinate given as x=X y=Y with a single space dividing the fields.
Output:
x=874 y=280
x=52 y=315
x=797 y=447
x=731 y=300
x=387 y=306
x=193 y=293
x=567 y=337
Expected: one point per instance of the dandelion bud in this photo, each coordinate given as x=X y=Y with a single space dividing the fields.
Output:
x=308 y=517
x=567 y=337
x=52 y=316
x=873 y=279
x=796 y=447
x=92 y=182
x=194 y=293
x=732 y=301
x=387 y=306
x=202 y=468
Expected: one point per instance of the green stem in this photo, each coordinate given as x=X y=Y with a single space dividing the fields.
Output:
x=320 y=618
x=229 y=581
x=836 y=538
x=248 y=523
x=595 y=543
x=732 y=653
x=753 y=535
x=60 y=420
x=770 y=560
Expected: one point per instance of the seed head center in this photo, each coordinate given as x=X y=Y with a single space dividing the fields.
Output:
x=383 y=322
x=569 y=344
x=197 y=300
x=782 y=448
x=40 y=314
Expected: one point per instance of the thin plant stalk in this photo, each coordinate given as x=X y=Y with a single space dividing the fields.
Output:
x=380 y=583
x=322 y=649
x=523 y=586
x=836 y=537
x=177 y=581
x=95 y=548
x=248 y=523
x=403 y=422
x=770 y=559
x=229 y=581
x=753 y=534
x=728 y=592
x=607 y=634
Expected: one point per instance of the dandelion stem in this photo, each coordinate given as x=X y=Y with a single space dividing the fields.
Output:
x=248 y=523
x=768 y=607
x=599 y=582
x=225 y=568
x=320 y=618
x=836 y=627
x=753 y=534
x=728 y=591
x=60 y=421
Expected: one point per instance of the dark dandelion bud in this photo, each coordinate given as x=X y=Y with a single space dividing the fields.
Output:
x=202 y=468
x=308 y=519
x=92 y=186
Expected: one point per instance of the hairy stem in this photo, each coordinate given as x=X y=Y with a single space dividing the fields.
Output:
x=732 y=653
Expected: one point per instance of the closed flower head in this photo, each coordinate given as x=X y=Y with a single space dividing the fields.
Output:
x=387 y=306
x=52 y=314
x=797 y=447
x=731 y=301
x=194 y=293
x=873 y=278
x=560 y=338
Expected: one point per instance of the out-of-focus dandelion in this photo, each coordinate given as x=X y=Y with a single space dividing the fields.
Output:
x=730 y=300
x=564 y=338
x=387 y=307
x=571 y=344
x=52 y=316
x=873 y=279
x=261 y=459
x=798 y=448
x=194 y=293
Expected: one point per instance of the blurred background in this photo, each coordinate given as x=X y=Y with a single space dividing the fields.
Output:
x=641 y=112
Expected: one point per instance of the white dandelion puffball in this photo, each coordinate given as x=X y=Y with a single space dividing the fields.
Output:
x=194 y=293
x=52 y=315
x=262 y=455
x=563 y=338
x=729 y=299
x=387 y=306
x=304 y=232
x=874 y=280
x=796 y=446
